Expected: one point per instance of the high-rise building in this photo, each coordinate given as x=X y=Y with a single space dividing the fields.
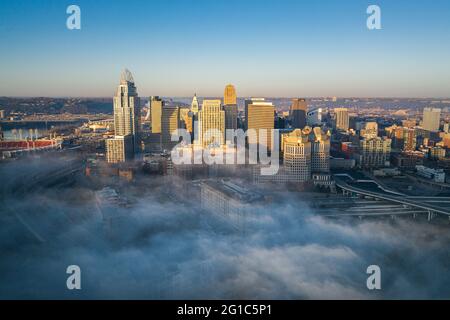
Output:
x=298 y=113
x=211 y=122
x=431 y=119
x=314 y=117
x=370 y=130
x=230 y=107
x=342 y=119
x=260 y=114
x=170 y=118
x=373 y=152
x=320 y=151
x=2 y=114
x=231 y=114
x=156 y=105
x=409 y=139
x=119 y=149
x=229 y=97
x=186 y=119
x=126 y=109
x=194 y=104
x=297 y=156
x=126 y=121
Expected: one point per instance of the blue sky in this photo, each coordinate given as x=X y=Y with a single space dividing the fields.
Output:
x=264 y=47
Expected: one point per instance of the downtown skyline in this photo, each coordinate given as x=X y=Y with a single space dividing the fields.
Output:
x=271 y=49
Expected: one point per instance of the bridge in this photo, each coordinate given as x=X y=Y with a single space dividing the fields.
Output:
x=416 y=205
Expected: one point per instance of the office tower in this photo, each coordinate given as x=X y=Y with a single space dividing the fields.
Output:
x=2 y=114
x=260 y=114
x=229 y=97
x=431 y=119
x=119 y=149
x=314 y=117
x=297 y=156
x=373 y=152
x=186 y=119
x=298 y=113
x=170 y=118
x=194 y=104
x=370 y=130
x=320 y=151
x=156 y=105
x=211 y=122
x=126 y=109
x=126 y=121
x=230 y=107
x=409 y=139
x=231 y=114
x=342 y=119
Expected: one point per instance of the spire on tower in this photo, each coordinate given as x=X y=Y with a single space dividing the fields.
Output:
x=126 y=76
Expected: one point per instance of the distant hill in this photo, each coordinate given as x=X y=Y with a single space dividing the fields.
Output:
x=56 y=105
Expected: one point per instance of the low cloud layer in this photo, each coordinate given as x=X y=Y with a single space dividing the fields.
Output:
x=166 y=250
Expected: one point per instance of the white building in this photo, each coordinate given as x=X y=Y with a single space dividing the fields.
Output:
x=431 y=119
x=314 y=117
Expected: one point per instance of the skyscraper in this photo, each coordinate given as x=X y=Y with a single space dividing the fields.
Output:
x=314 y=117
x=297 y=156
x=230 y=107
x=211 y=122
x=194 y=104
x=126 y=109
x=231 y=113
x=170 y=118
x=229 y=97
x=342 y=119
x=320 y=151
x=156 y=105
x=298 y=113
x=126 y=121
x=373 y=152
x=119 y=149
x=260 y=114
x=431 y=119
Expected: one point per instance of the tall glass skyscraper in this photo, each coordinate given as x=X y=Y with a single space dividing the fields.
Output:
x=126 y=108
x=126 y=121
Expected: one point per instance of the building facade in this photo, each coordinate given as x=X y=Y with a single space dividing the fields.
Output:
x=211 y=124
x=342 y=119
x=156 y=105
x=119 y=149
x=373 y=152
x=260 y=114
x=170 y=118
x=431 y=119
x=229 y=96
x=298 y=113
